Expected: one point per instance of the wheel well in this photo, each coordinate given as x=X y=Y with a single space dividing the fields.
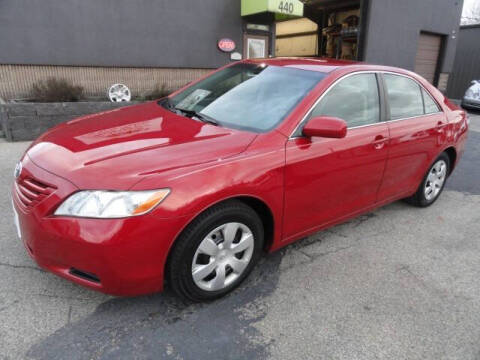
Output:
x=258 y=206
x=452 y=156
x=265 y=215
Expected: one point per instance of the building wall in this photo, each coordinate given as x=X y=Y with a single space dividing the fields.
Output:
x=139 y=33
x=395 y=25
x=467 y=61
x=94 y=43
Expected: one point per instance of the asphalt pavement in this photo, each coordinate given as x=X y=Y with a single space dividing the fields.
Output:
x=397 y=283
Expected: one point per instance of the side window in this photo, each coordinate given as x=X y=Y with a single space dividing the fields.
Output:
x=404 y=97
x=430 y=105
x=354 y=99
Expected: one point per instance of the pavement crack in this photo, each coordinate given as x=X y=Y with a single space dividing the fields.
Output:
x=53 y=296
x=304 y=253
x=332 y=251
x=313 y=257
x=336 y=232
x=362 y=219
x=21 y=267
x=8 y=306
x=440 y=293
x=69 y=316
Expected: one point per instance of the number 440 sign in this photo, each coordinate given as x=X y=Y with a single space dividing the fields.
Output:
x=289 y=7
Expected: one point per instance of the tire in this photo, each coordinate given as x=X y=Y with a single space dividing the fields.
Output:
x=221 y=230
x=421 y=197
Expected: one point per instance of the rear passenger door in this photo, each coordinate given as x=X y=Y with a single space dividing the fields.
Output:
x=416 y=125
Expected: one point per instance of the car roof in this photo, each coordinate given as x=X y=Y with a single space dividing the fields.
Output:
x=326 y=65
x=323 y=65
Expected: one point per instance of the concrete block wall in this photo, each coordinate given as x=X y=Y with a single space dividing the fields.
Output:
x=26 y=121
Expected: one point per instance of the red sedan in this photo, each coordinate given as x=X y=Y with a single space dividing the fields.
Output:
x=190 y=190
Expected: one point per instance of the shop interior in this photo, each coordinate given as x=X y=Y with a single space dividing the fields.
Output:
x=329 y=28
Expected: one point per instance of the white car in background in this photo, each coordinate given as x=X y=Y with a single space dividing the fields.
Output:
x=471 y=100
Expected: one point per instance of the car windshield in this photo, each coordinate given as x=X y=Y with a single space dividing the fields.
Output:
x=247 y=96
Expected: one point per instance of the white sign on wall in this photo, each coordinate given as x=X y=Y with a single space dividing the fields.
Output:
x=235 y=56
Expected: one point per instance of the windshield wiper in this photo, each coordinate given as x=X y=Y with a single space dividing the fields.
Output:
x=199 y=116
x=168 y=104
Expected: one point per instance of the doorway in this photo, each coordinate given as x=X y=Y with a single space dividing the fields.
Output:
x=329 y=28
x=255 y=46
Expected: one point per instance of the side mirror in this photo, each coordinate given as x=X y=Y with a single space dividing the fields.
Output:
x=325 y=126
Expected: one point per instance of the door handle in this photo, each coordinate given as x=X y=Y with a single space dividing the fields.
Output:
x=440 y=126
x=379 y=142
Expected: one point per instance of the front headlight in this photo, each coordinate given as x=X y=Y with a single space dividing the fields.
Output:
x=111 y=204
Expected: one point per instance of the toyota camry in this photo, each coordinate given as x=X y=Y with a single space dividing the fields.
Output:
x=190 y=190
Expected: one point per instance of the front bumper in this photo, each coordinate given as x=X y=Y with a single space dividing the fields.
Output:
x=117 y=256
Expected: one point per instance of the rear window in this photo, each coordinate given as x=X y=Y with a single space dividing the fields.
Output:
x=431 y=106
x=407 y=98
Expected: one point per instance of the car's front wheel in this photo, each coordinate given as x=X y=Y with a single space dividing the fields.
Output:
x=433 y=183
x=216 y=252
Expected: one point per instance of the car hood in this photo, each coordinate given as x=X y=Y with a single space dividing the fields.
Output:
x=116 y=149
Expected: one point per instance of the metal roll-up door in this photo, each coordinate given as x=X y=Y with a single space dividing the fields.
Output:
x=428 y=52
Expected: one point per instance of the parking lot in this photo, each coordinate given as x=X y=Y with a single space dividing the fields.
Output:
x=397 y=283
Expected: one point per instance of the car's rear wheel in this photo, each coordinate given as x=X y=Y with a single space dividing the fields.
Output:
x=216 y=252
x=433 y=183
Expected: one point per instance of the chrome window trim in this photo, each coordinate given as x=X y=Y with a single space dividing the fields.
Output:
x=377 y=123
x=413 y=117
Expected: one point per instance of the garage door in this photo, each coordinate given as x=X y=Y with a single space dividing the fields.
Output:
x=427 y=55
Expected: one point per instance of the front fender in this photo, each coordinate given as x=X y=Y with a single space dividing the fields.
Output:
x=257 y=173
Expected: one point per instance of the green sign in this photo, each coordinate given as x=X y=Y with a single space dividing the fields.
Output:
x=284 y=7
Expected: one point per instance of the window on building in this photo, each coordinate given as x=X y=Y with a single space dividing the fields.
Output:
x=354 y=99
x=256 y=48
x=404 y=97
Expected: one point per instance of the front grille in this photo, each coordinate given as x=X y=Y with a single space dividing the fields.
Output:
x=31 y=191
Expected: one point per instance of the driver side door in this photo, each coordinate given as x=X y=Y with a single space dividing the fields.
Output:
x=327 y=179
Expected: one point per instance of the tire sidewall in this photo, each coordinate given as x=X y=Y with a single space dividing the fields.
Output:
x=201 y=230
x=421 y=191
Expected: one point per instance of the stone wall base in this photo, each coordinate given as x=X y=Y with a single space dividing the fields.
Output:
x=26 y=121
